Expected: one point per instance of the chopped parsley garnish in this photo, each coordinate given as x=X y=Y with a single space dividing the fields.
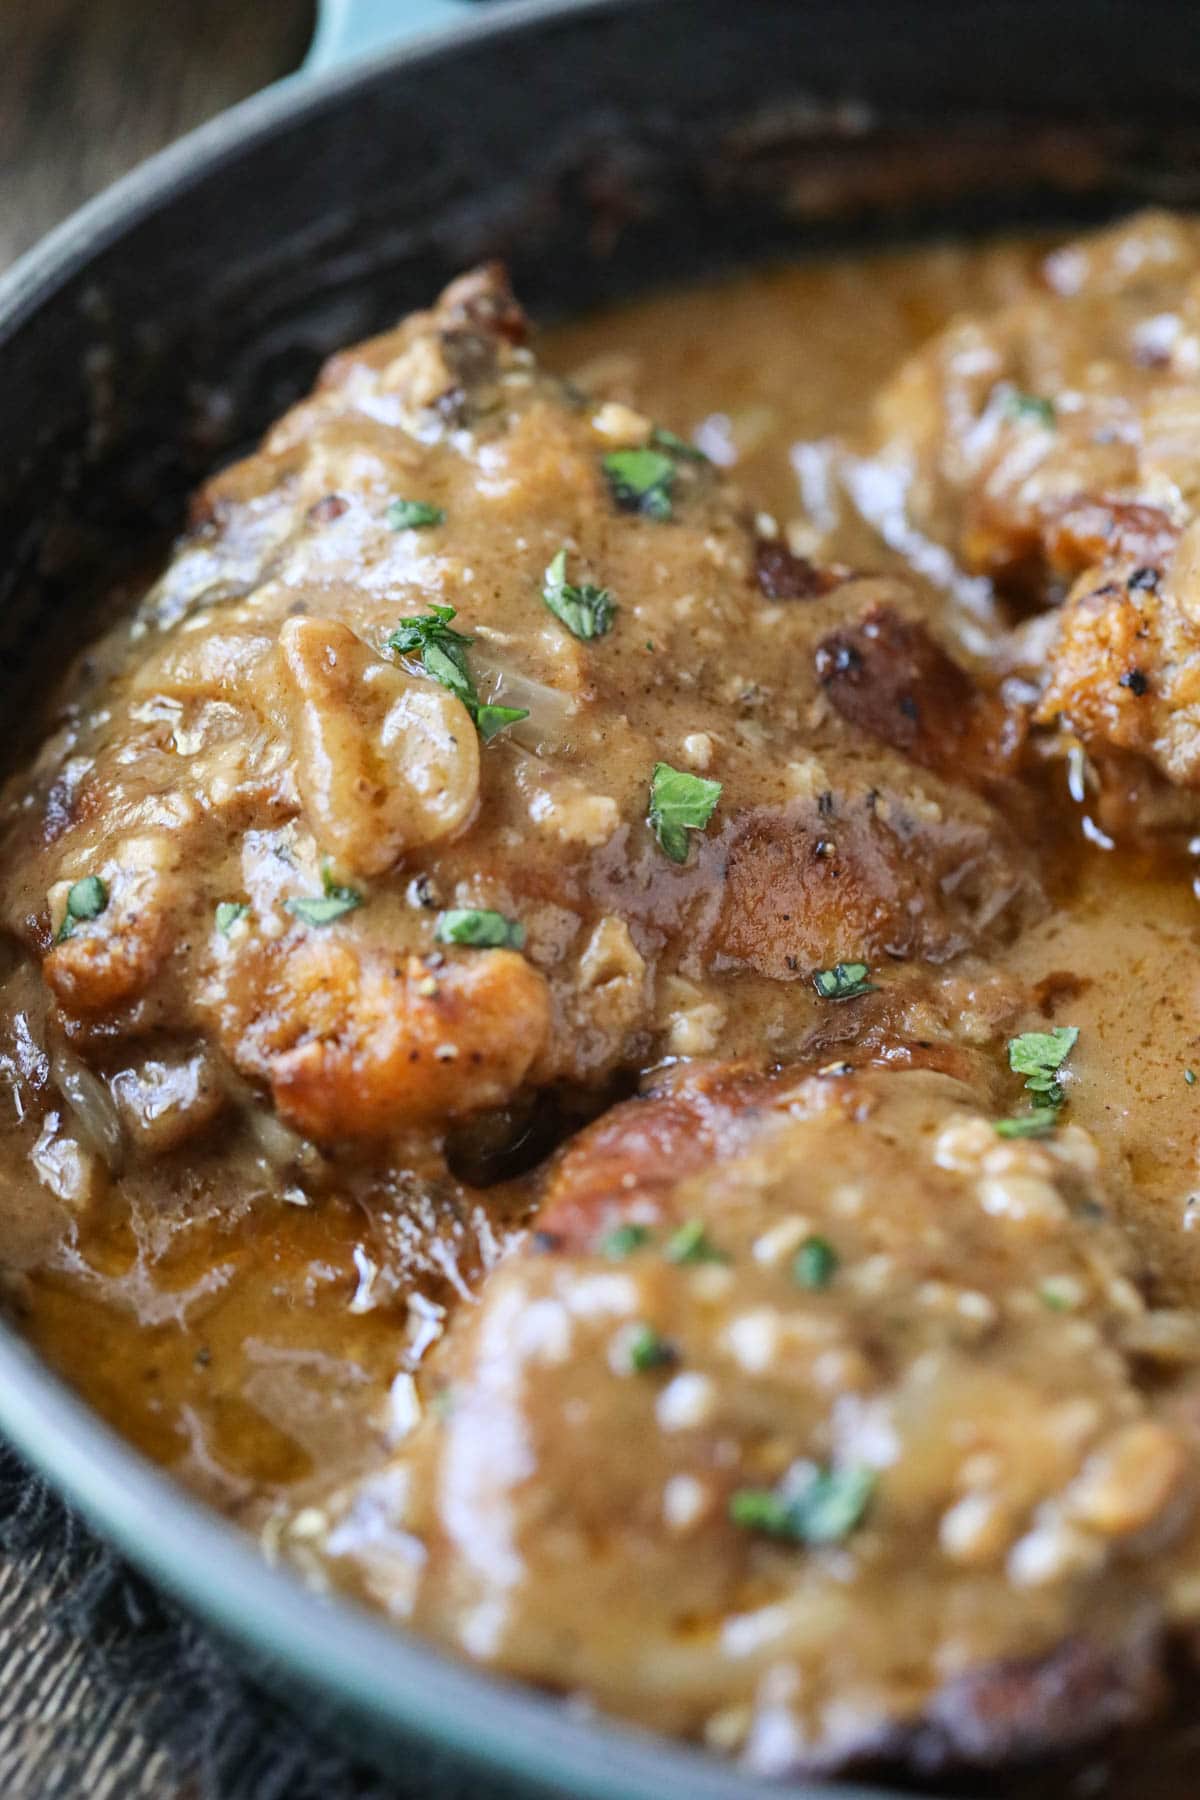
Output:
x=1036 y=407
x=1057 y=1295
x=442 y=653
x=586 y=611
x=414 y=515
x=431 y=636
x=648 y=1350
x=823 y=1508
x=623 y=1240
x=662 y=439
x=641 y=481
x=815 y=1263
x=86 y=899
x=490 y=720
x=1189 y=1075
x=228 y=914
x=692 y=1244
x=481 y=929
x=845 y=981
x=1038 y=1123
x=1039 y=1056
x=679 y=803
x=333 y=904
x=323 y=910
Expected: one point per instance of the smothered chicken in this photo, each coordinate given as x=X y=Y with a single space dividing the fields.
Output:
x=471 y=726
x=1054 y=446
x=796 y=1357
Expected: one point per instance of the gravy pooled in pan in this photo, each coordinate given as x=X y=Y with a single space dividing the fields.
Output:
x=601 y=990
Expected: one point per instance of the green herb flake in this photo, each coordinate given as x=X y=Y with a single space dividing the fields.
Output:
x=692 y=1244
x=1057 y=1296
x=442 y=653
x=641 y=481
x=845 y=981
x=479 y=928
x=1036 y=408
x=824 y=1508
x=761 y=1509
x=228 y=914
x=1189 y=1075
x=675 y=446
x=679 y=803
x=623 y=1240
x=86 y=899
x=334 y=903
x=323 y=910
x=586 y=611
x=1038 y=1123
x=414 y=515
x=648 y=1350
x=1039 y=1055
x=815 y=1263
x=418 y=633
x=447 y=663
x=490 y=720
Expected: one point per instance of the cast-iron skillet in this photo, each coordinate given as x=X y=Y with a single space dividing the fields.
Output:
x=602 y=146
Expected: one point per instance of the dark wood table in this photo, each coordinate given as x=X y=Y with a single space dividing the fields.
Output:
x=90 y=87
x=87 y=89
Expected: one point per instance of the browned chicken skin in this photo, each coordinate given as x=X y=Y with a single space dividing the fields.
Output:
x=1052 y=434
x=1055 y=447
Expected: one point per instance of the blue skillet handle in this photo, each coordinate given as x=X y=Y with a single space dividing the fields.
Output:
x=349 y=29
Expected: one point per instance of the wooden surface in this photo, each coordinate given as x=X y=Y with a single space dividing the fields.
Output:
x=87 y=89
x=90 y=87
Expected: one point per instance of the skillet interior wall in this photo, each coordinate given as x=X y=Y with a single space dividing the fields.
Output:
x=602 y=149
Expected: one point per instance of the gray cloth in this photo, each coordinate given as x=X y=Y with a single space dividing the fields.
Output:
x=109 y=1691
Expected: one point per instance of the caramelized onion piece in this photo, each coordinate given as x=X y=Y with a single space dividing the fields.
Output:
x=93 y=1110
x=386 y=761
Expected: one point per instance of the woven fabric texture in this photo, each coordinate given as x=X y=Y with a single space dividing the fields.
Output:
x=109 y=1691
